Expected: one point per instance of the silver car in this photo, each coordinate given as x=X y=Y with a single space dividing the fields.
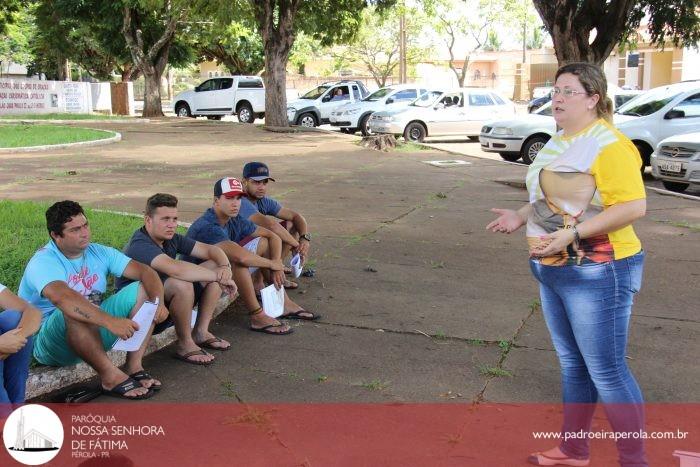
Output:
x=676 y=161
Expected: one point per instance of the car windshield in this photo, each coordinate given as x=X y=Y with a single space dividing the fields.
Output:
x=376 y=95
x=315 y=93
x=647 y=103
x=546 y=109
x=427 y=99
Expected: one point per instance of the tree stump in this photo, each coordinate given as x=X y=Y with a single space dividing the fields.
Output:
x=383 y=143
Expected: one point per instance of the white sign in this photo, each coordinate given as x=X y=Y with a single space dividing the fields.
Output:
x=25 y=96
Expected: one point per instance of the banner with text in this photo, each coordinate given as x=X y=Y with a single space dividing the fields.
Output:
x=23 y=96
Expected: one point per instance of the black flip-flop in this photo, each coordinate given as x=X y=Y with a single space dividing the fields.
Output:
x=185 y=357
x=298 y=315
x=266 y=329
x=143 y=375
x=125 y=386
x=207 y=344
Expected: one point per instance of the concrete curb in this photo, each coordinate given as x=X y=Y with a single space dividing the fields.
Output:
x=99 y=142
x=64 y=122
x=46 y=379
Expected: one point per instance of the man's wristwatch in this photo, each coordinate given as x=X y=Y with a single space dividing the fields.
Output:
x=306 y=236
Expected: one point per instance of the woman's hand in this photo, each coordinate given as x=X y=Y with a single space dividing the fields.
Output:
x=553 y=243
x=508 y=221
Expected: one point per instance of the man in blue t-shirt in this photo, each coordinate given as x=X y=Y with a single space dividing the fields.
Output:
x=157 y=244
x=66 y=280
x=249 y=248
x=262 y=210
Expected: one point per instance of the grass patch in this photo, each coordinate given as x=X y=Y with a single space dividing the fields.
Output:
x=23 y=231
x=495 y=371
x=683 y=224
x=17 y=136
x=411 y=147
x=66 y=116
x=375 y=385
x=479 y=342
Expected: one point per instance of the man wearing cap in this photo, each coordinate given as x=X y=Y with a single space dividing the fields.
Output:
x=256 y=206
x=186 y=285
x=247 y=246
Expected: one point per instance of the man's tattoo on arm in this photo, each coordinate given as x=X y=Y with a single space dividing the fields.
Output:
x=82 y=313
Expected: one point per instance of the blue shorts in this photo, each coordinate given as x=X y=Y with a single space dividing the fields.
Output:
x=50 y=345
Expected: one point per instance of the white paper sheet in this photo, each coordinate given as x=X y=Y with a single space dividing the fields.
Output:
x=273 y=300
x=297 y=265
x=194 y=318
x=144 y=318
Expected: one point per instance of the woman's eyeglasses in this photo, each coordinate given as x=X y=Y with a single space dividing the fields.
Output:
x=566 y=92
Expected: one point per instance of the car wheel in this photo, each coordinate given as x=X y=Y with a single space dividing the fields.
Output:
x=183 y=110
x=510 y=156
x=245 y=113
x=675 y=186
x=645 y=153
x=345 y=130
x=307 y=120
x=414 y=132
x=213 y=117
x=364 y=125
x=531 y=148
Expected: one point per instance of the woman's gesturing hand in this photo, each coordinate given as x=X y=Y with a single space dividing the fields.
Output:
x=508 y=221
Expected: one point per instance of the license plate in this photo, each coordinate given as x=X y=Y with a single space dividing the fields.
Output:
x=378 y=128
x=671 y=166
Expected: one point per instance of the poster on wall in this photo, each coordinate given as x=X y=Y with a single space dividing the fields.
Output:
x=27 y=96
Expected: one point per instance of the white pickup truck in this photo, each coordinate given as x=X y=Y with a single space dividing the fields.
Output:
x=226 y=95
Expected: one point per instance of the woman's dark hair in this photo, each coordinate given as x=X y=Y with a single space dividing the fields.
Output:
x=159 y=200
x=593 y=81
x=60 y=213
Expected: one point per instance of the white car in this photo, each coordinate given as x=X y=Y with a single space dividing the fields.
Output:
x=460 y=111
x=314 y=108
x=353 y=116
x=226 y=95
x=523 y=137
x=676 y=161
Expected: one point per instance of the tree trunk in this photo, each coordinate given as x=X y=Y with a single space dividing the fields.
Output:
x=277 y=42
x=152 y=104
x=275 y=87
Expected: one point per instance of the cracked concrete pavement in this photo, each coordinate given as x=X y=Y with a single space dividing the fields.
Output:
x=419 y=302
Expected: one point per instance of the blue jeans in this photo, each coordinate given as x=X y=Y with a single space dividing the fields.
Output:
x=587 y=309
x=15 y=368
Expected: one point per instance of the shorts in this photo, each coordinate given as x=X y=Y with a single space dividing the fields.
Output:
x=50 y=345
x=250 y=244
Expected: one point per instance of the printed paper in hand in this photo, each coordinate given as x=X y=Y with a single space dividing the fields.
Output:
x=297 y=265
x=144 y=318
x=273 y=301
x=194 y=318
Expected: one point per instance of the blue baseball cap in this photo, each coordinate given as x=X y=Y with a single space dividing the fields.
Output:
x=256 y=171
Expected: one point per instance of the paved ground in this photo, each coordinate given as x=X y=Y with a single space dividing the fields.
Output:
x=418 y=301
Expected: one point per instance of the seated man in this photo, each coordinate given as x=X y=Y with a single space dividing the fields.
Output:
x=256 y=206
x=221 y=225
x=66 y=280
x=18 y=323
x=157 y=245
x=339 y=95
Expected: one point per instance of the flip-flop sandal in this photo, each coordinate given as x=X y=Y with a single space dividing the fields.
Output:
x=290 y=285
x=143 y=375
x=207 y=344
x=120 y=390
x=185 y=357
x=287 y=270
x=299 y=315
x=267 y=329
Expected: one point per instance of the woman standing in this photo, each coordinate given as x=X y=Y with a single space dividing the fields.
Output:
x=585 y=191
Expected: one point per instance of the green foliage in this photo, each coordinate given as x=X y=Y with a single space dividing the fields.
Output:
x=493 y=43
x=24 y=231
x=15 y=41
x=8 y=10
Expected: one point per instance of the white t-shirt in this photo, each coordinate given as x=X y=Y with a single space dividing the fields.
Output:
x=2 y=287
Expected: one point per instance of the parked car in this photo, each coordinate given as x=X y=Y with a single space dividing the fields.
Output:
x=314 y=108
x=522 y=137
x=676 y=161
x=227 y=95
x=353 y=116
x=460 y=111
x=538 y=102
x=658 y=114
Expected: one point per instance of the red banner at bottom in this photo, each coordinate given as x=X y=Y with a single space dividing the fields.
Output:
x=151 y=434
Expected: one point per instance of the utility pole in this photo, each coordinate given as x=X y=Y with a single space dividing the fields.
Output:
x=402 y=47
